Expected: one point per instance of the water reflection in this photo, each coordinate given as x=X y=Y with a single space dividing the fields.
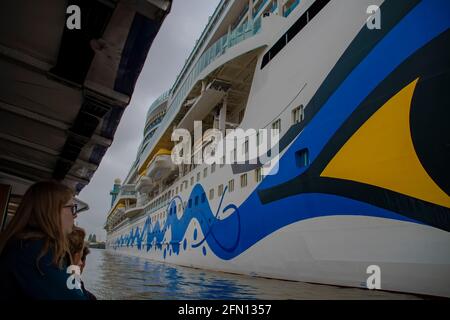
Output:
x=109 y=275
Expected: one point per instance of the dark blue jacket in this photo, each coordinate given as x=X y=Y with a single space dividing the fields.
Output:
x=21 y=279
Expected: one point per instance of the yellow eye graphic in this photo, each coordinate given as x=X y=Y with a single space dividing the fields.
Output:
x=381 y=153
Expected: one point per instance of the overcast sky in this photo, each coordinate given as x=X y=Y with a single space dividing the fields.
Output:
x=171 y=47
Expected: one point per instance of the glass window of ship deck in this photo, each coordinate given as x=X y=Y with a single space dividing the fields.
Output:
x=277 y=125
x=231 y=185
x=298 y=114
x=205 y=172
x=258 y=174
x=302 y=158
x=192 y=181
x=211 y=194
x=243 y=180
x=213 y=168
x=198 y=176
x=220 y=190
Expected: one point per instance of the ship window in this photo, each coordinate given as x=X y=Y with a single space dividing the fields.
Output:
x=176 y=189
x=231 y=185
x=258 y=175
x=211 y=194
x=243 y=180
x=220 y=190
x=198 y=176
x=205 y=172
x=302 y=158
x=213 y=168
x=181 y=187
x=298 y=114
x=276 y=125
x=192 y=181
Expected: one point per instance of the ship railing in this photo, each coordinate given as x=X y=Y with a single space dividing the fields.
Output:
x=291 y=8
x=128 y=193
x=274 y=6
x=130 y=206
x=259 y=8
x=148 y=209
x=243 y=13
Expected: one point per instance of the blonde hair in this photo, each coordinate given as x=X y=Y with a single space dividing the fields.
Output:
x=39 y=217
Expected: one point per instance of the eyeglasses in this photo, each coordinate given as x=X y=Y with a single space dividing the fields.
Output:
x=73 y=209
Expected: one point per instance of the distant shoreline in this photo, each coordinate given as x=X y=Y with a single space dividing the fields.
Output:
x=97 y=245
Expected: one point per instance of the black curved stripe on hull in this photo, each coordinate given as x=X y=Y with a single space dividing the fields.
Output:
x=431 y=65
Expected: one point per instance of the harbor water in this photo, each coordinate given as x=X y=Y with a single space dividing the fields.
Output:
x=110 y=275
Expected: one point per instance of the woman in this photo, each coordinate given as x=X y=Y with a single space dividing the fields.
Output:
x=78 y=252
x=34 y=250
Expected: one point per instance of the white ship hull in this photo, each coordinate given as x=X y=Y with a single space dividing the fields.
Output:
x=332 y=250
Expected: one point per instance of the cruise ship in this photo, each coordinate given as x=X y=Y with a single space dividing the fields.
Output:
x=357 y=186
